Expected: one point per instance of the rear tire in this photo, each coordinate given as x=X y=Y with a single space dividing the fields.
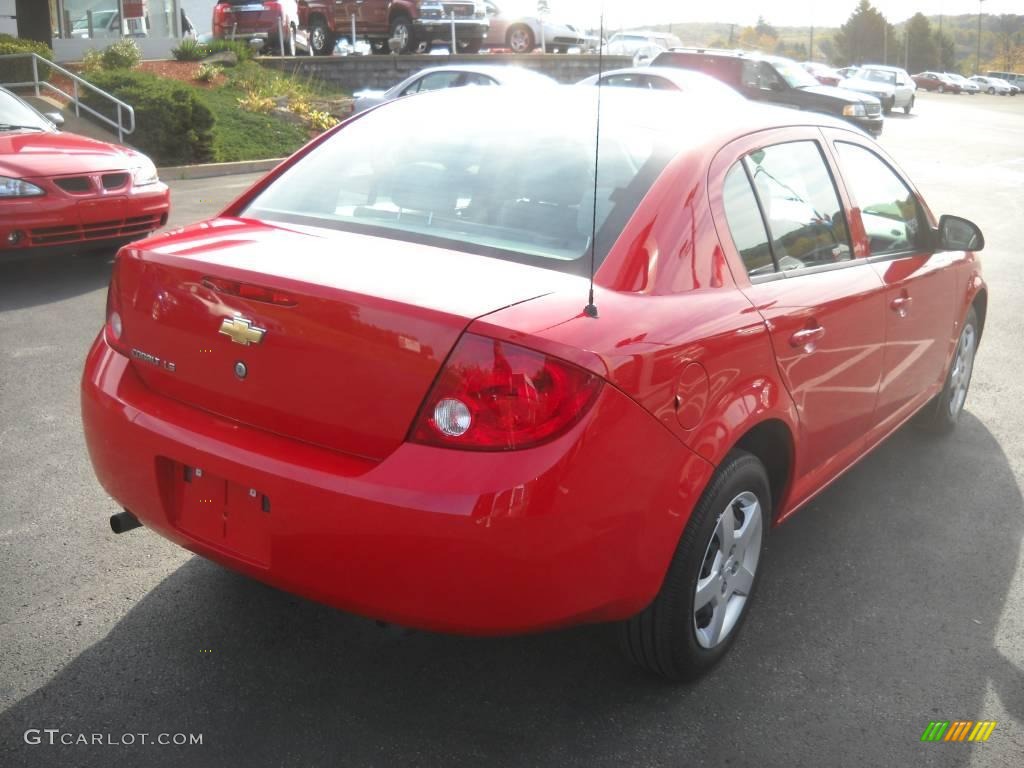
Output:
x=321 y=40
x=941 y=415
x=705 y=596
x=470 y=46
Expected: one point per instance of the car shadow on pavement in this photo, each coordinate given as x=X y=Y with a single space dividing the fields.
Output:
x=878 y=611
x=32 y=281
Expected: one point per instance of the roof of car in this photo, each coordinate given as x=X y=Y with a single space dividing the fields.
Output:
x=494 y=70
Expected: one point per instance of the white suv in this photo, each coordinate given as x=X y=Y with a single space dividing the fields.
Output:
x=891 y=85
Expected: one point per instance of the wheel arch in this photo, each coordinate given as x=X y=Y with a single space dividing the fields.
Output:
x=980 y=304
x=771 y=442
x=524 y=25
x=397 y=10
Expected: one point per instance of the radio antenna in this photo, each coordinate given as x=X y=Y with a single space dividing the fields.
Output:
x=591 y=309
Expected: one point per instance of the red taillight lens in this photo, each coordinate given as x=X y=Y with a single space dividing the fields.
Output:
x=496 y=396
x=113 y=329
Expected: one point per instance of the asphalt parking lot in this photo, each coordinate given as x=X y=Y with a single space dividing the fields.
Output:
x=896 y=598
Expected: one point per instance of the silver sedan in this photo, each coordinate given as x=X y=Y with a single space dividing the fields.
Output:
x=455 y=76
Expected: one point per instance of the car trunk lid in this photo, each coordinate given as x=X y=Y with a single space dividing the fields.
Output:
x=328 y=337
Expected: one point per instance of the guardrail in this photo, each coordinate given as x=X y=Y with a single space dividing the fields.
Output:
x=123 y=123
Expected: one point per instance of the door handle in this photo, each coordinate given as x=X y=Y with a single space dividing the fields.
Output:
x=807 y=338
x=901 y=305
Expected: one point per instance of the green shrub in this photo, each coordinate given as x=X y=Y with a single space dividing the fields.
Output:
x=190 y=50
x=124 y=54
x=92 y=62
x=207 y=73
x=173 y=125
x=20 y=70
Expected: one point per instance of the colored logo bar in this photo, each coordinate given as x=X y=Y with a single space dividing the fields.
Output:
x=958 y=730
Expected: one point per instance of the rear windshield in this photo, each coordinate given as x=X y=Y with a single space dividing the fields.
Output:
x=483 y=173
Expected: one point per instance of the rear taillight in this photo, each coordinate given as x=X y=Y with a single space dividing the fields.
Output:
x=496 y=396
x=113 y=329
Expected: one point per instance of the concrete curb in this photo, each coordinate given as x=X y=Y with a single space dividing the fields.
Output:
x=209 y=170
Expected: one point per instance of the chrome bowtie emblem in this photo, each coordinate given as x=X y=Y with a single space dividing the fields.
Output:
x=242 y=331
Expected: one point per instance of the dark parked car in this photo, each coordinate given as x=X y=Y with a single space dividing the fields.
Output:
x=779 y=81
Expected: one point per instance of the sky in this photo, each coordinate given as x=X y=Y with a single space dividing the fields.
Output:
x=830 y=13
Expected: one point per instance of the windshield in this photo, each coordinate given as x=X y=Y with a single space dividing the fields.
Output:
x=795 y=75
x=878 y=76
x=13 y=111
x=480 y=175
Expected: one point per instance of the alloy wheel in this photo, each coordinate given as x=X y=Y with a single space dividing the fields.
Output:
x=519 y=41
x=728 y=570
x=963 y=366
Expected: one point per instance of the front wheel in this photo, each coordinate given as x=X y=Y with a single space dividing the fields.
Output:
x=520 y=39
x=695 y=616
x=991 y=91
x=470 y=46
x=888 y=105
x=910 y=106
x=321 y=41
x=943 y=412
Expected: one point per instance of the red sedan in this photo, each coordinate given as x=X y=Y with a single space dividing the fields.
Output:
x=935 y=81
x=379 y=378
x=64 y=193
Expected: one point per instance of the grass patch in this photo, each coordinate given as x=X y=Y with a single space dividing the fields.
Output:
x=241 y=135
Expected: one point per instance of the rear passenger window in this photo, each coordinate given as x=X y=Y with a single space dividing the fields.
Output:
x=805 y=219
x=745 y=223
x=891 y=214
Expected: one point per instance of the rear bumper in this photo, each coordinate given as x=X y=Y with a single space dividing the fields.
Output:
x=440 y=29
x=52 y=223
x=578 y=530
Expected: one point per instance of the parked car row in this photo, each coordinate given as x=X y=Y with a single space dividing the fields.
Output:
x=414 y=25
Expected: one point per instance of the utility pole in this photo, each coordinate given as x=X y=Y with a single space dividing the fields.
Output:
x=732 y=34
x=906 y=49
x=977 y=58
x=810 y=51
x=885 y=42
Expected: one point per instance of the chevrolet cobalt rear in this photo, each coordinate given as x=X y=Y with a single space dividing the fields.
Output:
x=379 y=378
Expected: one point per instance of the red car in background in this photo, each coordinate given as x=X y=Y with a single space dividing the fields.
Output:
x=936 y=81
x=822 y=73
x=383 y=379
x=63 y=193
x=258 y=20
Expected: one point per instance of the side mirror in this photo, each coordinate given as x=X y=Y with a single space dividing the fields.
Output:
x=54 y=117
x=956 y=234
x=776 y=86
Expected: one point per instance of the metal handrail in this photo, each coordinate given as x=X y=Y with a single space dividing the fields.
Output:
x=122 y=125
